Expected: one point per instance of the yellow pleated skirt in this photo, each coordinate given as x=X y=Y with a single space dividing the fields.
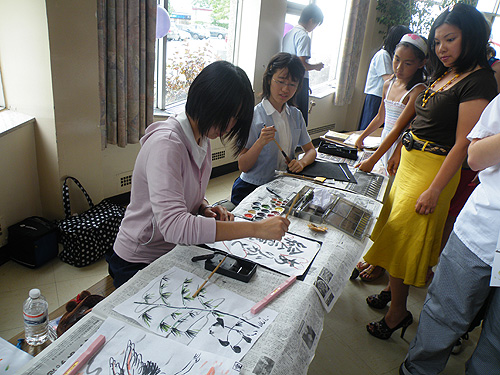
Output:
x=407 y=243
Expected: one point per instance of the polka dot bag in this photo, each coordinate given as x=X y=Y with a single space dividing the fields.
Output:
x=86 y=237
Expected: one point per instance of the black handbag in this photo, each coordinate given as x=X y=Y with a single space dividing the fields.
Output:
x=86 y=237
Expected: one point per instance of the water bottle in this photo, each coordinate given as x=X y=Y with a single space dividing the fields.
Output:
x=36 y=318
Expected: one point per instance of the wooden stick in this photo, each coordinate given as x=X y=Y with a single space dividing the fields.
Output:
x=293 y=204
x=288 y=160
x=208 y=278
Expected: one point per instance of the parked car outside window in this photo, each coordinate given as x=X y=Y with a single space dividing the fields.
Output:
x=196 y=31
x=217 y=32
x=176 y=34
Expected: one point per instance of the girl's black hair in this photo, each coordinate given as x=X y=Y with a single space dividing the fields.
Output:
x=420 y=75
x=475 y=33
x=220 y=92
x=393 y=37
x=280 y=61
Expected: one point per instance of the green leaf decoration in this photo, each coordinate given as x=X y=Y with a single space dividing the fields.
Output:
x=146 y=318
x=164 y=327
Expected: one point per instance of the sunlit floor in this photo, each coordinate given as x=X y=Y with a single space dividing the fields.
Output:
x=345 y=348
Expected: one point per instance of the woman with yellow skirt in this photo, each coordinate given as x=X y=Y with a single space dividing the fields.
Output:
x=407 y=236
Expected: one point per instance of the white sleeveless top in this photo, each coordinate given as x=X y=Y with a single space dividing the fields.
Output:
x=392 y=112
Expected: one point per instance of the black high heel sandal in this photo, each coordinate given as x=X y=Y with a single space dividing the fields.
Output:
x=382 y=331
x=379 y=301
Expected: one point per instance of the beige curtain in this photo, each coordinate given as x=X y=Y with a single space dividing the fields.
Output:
x=352 y=51
x=126 y=32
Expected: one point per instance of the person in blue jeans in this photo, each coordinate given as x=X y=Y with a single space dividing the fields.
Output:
x=275 y=119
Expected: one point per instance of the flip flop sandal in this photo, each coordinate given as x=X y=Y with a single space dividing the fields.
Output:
x=372 y=273
x=361 y=266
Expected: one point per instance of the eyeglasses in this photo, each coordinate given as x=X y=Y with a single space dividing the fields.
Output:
x=292 y=86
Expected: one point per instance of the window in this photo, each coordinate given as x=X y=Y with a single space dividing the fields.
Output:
x=324 y=47
x=490 y=9
x=201 y=32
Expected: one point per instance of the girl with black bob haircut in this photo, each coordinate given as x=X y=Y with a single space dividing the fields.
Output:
x=475 y=29
x=221 y=93
x=171 y=173
x=276 y=121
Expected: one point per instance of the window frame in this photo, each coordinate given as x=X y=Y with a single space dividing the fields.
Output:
x=161 y=107
x=328 y=86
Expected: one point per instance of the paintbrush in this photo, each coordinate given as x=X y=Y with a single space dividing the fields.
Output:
x=208 y=278
x=288 y=160
x=291 y=206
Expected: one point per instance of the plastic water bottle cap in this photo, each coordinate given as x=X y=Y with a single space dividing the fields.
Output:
x=35 y=293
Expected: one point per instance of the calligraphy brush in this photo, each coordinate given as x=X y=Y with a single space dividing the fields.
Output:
x=208 y=278
x=288 y=160
x=291 y=206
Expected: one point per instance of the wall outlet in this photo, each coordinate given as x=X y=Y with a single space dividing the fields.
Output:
x=3 y=232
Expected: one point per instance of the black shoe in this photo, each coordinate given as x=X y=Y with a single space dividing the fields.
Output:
x=382 y=331
x=379 y=301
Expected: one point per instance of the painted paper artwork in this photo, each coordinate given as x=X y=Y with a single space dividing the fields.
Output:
x=216 y=320
x=290 y=256
x=11 y=358
x=129 y=350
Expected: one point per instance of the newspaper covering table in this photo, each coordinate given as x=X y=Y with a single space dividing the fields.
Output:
x=339 y=251
x=288 y=345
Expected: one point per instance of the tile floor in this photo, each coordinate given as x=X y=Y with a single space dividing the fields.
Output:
x=345 y=348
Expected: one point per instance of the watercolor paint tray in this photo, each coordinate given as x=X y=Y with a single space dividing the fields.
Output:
x=262 y=210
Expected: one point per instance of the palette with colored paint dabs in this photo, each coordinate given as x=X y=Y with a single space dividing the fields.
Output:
x=262 y=210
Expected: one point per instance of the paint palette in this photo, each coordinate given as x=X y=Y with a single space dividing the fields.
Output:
x=262 y=210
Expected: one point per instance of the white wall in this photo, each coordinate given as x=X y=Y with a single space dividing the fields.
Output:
x=27 y=78
x=19 y=187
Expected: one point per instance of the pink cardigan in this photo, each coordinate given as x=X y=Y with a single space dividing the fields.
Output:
x=168 y=187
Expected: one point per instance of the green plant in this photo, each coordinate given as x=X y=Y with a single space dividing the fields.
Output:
x=184 y=67
x=418 y=15
x=394 y=12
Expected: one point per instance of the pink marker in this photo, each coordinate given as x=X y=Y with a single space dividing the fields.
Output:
x=86 y=355
x=275 y=293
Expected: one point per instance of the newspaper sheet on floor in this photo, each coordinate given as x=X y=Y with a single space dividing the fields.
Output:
x=339 y=251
